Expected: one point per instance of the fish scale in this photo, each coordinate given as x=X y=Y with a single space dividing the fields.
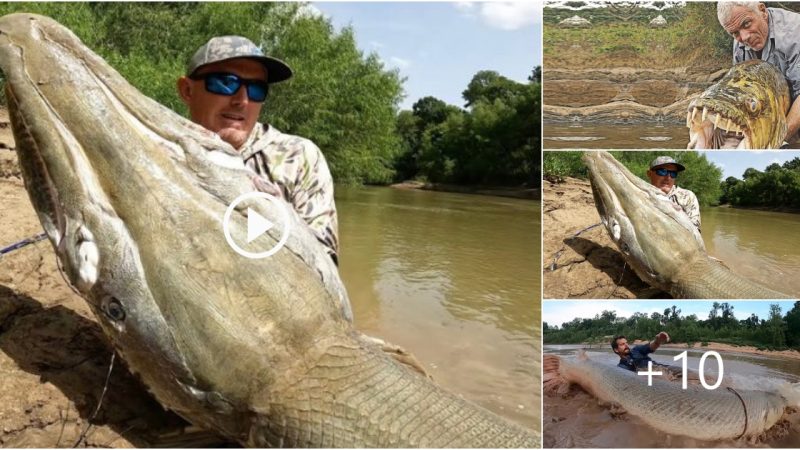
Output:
x=657 y=239
x=260 y=351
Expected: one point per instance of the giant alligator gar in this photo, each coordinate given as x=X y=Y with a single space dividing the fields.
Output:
x=132 y=198
x=695 y=412
x=746 y=109
x=657 y=239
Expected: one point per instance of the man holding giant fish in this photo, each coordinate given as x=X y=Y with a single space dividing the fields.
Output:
x=767 y=34
x=225 y=86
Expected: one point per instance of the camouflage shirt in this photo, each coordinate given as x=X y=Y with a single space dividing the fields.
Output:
x=299 y=169
x=688 y=202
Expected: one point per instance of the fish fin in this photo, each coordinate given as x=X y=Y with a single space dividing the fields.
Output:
x=397 y=353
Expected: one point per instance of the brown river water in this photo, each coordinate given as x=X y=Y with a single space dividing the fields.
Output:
x=453 y=278
x=760 y=245
x=577 y=420
x=605 y=136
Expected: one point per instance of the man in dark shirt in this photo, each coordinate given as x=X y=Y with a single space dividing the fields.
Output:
x=636 y=358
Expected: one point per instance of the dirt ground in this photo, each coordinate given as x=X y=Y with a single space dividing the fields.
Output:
x=584 y=266
x=54 y=358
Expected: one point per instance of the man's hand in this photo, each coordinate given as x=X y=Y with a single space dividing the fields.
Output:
x=233 y=136
x=660 y=338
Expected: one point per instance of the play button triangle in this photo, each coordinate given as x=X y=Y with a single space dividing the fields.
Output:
x=256 y=225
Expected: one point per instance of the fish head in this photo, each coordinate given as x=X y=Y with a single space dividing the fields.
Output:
x=132 y=198
x=654 y=235
x=746 y=109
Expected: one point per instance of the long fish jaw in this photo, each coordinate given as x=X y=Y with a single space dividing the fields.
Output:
x=653 y=234
x=746 y=109
x=133 y=206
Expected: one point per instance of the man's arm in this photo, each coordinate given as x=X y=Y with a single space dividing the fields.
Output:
x=793 y=79
x=660 y=338
x=312 y=198
x=793 y=120
x=693 y=210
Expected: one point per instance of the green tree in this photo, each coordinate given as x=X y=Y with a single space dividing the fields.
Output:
x=776 y=326
x=343 y=100
x=793 y=326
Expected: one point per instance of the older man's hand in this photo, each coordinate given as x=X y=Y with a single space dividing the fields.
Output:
x=233 y=136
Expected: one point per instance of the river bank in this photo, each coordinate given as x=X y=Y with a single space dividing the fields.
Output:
x=718 y=346
x=761 y=208
x=511 y=192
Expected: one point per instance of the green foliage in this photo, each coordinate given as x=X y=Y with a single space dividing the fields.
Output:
x=495 y=141
x=721 y=326
x=558 y=165
x=793 y=326
x=344 y=101
x=701 y=30
x=778 y=186
x=701 y=176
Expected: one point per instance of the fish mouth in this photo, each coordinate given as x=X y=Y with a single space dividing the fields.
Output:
x=711 y=128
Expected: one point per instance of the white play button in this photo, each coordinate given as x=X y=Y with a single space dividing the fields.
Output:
x=256 y=225
x=264 y=235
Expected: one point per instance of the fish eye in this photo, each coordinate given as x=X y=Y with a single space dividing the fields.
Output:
x=114 y=310
x=754 y=105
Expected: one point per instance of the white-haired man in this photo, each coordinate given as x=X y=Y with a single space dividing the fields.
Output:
x=768 y=34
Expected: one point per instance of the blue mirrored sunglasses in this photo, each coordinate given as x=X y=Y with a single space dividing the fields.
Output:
x=228 y=84
x=663 y=172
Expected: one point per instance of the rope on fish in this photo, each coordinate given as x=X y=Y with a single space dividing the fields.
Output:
x=554 y=264
x=22 y=243
x=745 y=410
x=621 y=275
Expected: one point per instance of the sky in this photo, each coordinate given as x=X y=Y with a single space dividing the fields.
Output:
x=439 y=46
x=558 y=312
x=733 y=164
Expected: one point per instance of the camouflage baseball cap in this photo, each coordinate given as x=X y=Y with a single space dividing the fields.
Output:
x=222 y=48
x=664 y=160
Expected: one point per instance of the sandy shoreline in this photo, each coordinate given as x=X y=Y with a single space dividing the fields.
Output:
x=789 y=354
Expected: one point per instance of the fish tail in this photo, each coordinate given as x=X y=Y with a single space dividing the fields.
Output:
x=552 y=381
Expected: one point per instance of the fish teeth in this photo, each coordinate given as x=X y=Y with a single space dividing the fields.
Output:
x=728 y=125
x=694 y=113
x=716 y=121
x=705 y=113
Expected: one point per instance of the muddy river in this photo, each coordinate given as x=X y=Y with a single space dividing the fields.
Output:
x=760 y=245
x=453 y=278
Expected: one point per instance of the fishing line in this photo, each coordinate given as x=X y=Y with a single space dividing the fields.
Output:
x=99 y=402
x=22 y=243
x=554 y=265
